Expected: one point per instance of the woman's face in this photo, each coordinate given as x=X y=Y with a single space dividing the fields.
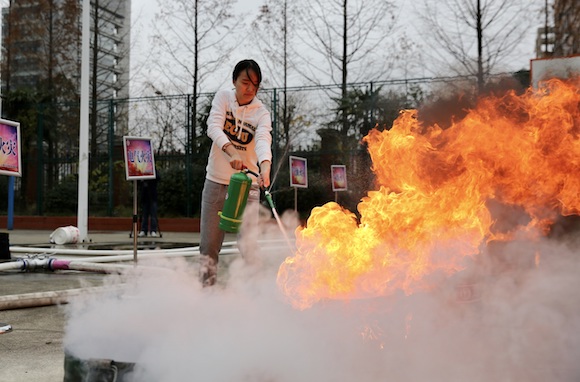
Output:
x=246 y=86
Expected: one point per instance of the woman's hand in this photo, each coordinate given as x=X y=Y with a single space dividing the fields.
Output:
x=236 y=161
x=265 y=174
x=235 y=158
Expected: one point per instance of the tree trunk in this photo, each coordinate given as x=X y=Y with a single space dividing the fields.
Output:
x=285 y=120
x=344 y=69
x=195 y=81
x=480 y=75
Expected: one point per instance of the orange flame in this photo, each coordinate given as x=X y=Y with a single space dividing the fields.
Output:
x=434 y=185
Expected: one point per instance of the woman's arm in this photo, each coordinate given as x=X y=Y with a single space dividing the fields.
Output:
x=217 y=119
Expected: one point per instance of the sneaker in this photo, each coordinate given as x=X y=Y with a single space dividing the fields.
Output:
x=142 y=234
x=208 y=279
x=154 y=234
x=207 y=271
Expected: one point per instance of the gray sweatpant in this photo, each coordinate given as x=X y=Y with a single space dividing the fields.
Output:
x=212 y=237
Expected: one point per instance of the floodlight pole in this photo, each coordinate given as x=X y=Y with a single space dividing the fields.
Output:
x=83 y=175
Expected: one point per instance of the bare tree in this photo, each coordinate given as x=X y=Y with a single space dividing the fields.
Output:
x=110 y=35
x=275 y=35
x=36 y=69
x=349 y=39
x=158 y=118
x=36 y=46
x=474 y=36
x=192 y=40
x=566 y=23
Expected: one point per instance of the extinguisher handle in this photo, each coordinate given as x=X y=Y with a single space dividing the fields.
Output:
x=248 y=171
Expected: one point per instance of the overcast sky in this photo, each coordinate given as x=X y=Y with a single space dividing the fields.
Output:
x=143 y=14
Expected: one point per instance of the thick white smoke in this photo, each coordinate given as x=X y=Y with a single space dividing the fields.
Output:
x=500 y=320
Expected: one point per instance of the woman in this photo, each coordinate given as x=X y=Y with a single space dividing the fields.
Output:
x=240 y=127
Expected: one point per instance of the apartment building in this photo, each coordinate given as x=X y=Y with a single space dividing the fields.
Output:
x=41 y=50
x=566 y=28
x=560 y=37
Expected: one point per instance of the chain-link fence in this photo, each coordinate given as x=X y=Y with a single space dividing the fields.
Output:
x=313 y=122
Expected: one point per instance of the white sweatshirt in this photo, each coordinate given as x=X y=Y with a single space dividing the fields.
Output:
x=247 y=127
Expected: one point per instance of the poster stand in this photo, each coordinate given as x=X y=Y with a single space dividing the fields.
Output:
x=338 y=175
x=135 y=221
x=10 y=161
x=139 y=164
x=298 y=176
x=295 y=199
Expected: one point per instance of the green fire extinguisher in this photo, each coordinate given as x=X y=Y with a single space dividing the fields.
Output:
x=236 y=199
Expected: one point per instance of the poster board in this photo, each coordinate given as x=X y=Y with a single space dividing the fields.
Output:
x=139 y=159
x=298 y=172
x=10 y=160
x=338 y=175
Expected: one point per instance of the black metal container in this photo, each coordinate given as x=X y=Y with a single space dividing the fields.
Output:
x=96 y=370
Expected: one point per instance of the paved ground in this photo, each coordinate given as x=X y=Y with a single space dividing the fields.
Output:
x=33 y=350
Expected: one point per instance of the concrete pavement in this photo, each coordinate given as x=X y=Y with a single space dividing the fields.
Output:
x=33 y=350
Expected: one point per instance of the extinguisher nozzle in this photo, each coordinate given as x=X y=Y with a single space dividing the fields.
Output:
x=268 y=197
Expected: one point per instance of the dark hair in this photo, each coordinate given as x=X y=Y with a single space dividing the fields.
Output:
x=247 y=65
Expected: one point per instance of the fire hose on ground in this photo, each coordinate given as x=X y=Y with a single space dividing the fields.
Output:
x=44 y=260
x=30 y=300
x=90 y=264
x=34 y=300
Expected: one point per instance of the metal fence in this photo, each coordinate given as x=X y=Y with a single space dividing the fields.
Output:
x=310 y=130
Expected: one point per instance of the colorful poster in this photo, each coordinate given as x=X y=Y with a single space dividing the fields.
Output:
x=139 y=161
x=338 y=177
x=10 y=162
x=298 y=172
